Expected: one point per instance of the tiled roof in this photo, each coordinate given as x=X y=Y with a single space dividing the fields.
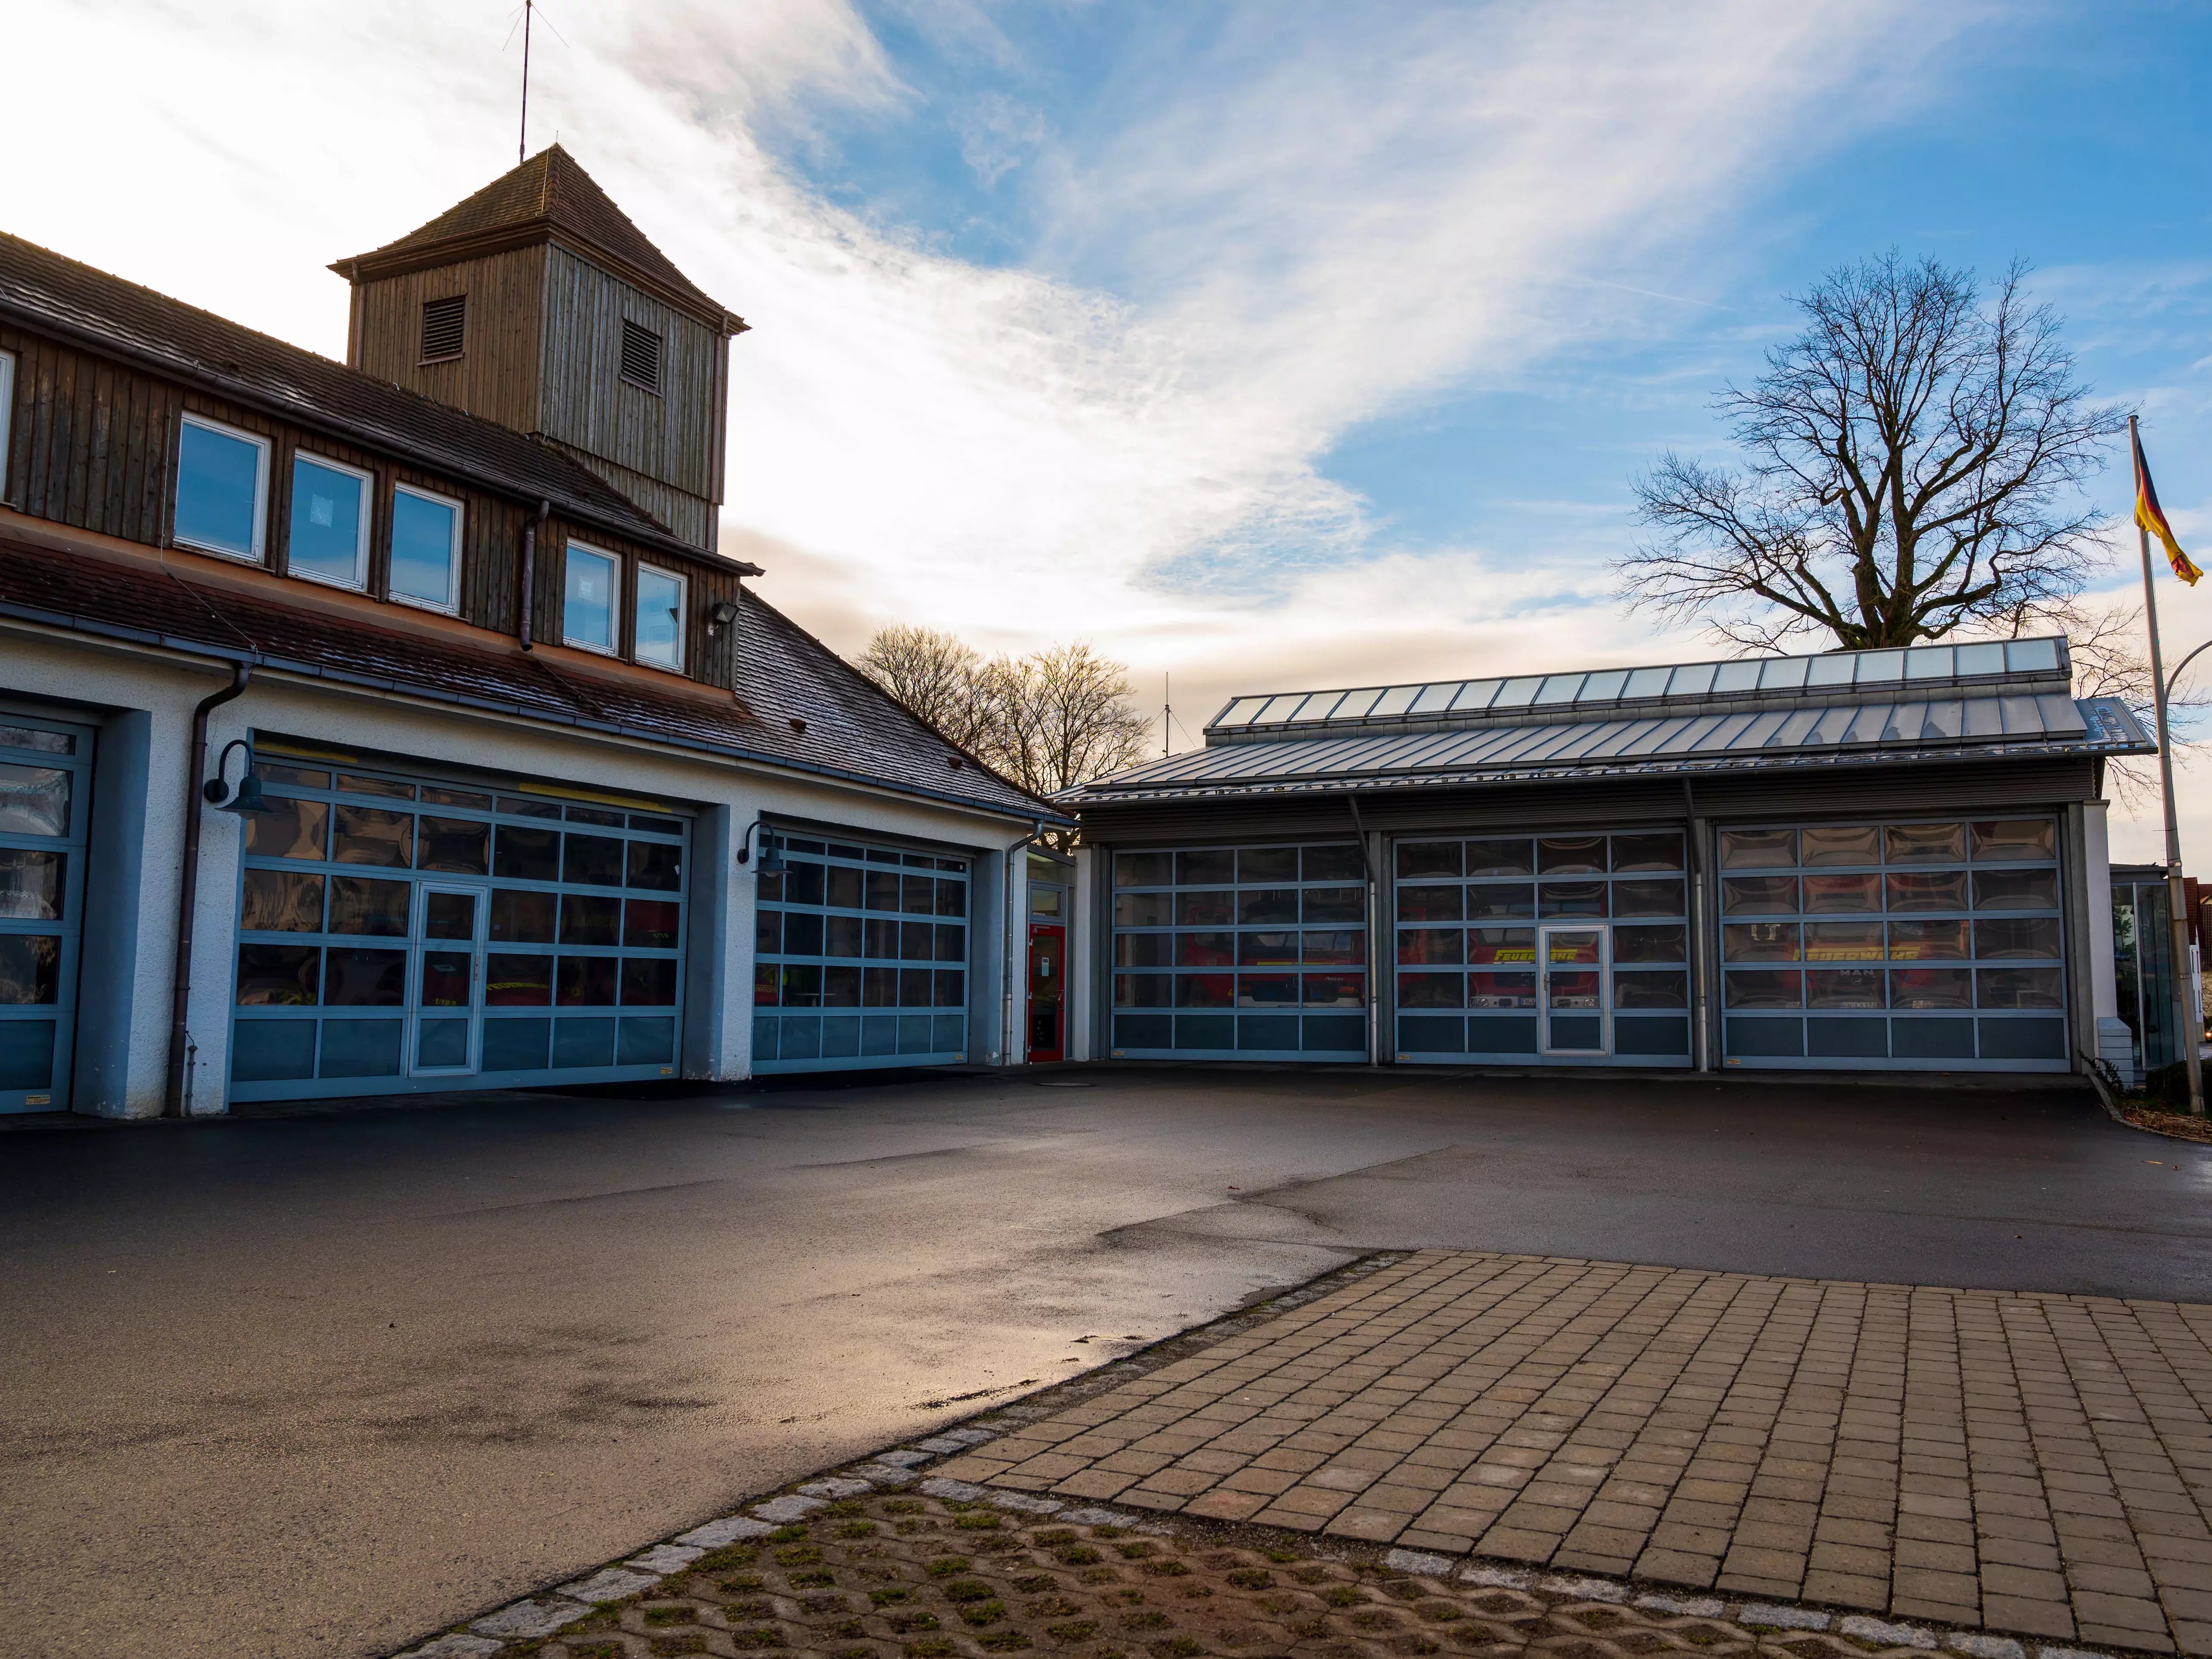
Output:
x=43 y=289
x=851 y=730
x=548 y=192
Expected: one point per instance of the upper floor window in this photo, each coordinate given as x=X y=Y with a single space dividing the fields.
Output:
x=445 y=327
x=6 y=411
x=640 y=355
x=222 y=490
x=329 y=540
x=426 y=549
x=587 y=610
x=660 y=617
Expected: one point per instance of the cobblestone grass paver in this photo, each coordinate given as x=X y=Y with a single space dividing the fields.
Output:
x=2039 y=1464
x=906 y=1576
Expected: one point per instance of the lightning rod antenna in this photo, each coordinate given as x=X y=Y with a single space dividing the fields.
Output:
x=522 y=137
x=1167 y=713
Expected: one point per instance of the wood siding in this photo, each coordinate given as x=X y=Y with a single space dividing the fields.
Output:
x=584 y=402
x=92 y=444
x=497 y=375
x=691 y=517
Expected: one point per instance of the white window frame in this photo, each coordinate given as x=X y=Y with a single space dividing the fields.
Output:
x=613 y=646
x=265 y=449
x=7 y=414
x=453 y=554
x=682 y=613
x=359 y=582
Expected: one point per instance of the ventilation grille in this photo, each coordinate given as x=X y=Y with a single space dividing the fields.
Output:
x=445 y=325
x=640 y=362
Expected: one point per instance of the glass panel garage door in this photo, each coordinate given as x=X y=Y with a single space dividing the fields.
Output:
x=1612 y=983
x=1929 y=945
x=46 y=806
x=861 y=959
x=1258 y=951
x=397 y=936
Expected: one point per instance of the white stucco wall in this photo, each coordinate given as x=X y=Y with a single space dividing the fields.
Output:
x=38 y=667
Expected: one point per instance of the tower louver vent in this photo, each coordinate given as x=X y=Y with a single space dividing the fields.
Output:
x=640 y=356
x=445 y=327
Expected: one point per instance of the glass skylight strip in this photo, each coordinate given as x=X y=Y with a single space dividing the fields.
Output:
x=1395 y=701
x=1435 y=699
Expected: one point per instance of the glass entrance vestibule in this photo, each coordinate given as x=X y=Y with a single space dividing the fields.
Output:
x=399 y=934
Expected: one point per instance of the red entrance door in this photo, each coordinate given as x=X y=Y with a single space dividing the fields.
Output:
x=1048 y=999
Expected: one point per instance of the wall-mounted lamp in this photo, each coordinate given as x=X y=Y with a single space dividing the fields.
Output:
x=770 y=862
x=246 y=797
x=720 y=615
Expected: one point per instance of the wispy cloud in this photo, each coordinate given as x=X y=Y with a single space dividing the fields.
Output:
x=1280 y=220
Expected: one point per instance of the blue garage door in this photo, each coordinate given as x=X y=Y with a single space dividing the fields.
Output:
x=1931 y=944
x=46 y=806
x=1240 y=952
x=398 y=935
x=860 y=958
x=1562 y=949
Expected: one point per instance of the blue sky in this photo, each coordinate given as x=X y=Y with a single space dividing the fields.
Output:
x=1262 y=342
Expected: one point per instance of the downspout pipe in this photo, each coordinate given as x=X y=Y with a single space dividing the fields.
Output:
x=1013 y=940
x=529 y=572
x=1375 y=957
x=188 y=885
x=1701 y=1055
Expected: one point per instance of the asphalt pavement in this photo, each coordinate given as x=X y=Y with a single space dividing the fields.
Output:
x=314 y=1385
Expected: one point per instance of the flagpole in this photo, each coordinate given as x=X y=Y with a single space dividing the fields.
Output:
x=2187 y=1021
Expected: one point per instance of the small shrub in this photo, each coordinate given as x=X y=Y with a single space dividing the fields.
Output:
x=1342 y=1595
x=1108 y=1532
x=759 y=1606
x=1053 y=1538
x=904 y=1622
x=984 y=1613
x=1150 y=1618
x=1169 y=1568
x=903 y=1506
x=1179 y=1647
x=1003 y=1641
x=981 y=1520
x=856 y=1529
x=1280 y=1556
x=930 y=1647
x=1251 y=1578
x=669 y=1647
x=945 y=1566
x=761 y=1636
x=799 y=1555
x=787 y=1535
x=1138 y=1551
x=736 y=1555
x=1036 y=1584
x=889 y=1594
x=1075 y=1630
x=967 y=1589
x=814 y=1579
x=843 y=1506
x=1077 y=1555
x=668 y=1615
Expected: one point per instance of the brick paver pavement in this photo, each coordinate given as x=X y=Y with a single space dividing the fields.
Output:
x=2027 y=1462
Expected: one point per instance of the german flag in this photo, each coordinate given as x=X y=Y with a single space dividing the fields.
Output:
x=2152 y=518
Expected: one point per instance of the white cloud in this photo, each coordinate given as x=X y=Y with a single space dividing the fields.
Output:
x=1310 y=220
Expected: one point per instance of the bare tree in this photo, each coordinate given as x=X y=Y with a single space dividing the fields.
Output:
x=1912 y=460
x=1048 y=721
x=1061 y=717
x=934 y=675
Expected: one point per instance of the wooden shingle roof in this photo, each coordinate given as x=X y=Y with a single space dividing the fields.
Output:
x=550 y=195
